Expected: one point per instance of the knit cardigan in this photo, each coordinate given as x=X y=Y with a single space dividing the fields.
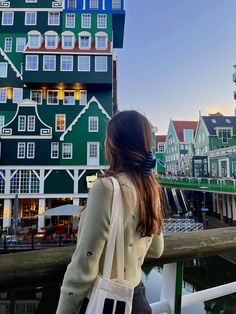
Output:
x=88 y=258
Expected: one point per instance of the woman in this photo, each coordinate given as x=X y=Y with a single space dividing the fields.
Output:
x=128 y=150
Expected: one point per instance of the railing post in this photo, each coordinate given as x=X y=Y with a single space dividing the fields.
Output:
x=178 y=286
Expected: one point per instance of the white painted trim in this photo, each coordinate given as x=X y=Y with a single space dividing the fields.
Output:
x=17 y=39
x=27 y=149
x=81 y=174
x=83 y=91
x=72 y=69
x=70 y=174
x=59 y=114
x=93 y=99
x=85 y=34
x=68 y=90
x=99 y=27
x=98 y=153
x=26 y=63
x=5 y=100
x=99 y=53
x=53 y=90
x=13 y=92
x=101 y=34
x=66 y=20
x=90 y=19
x=58 y=18
x=30 y=11
x=11 y=64
x=28 y=118
x=71 y=151
x=26 y=137
x=23 y=117
x=89 y=69
x=18 y=149
x=57 y=150
x=37 y=90
x=89 y=124
x=5 y=46
x=54 y=60
x=8 y=11
x=96 y=70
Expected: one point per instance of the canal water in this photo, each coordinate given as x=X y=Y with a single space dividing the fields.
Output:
x=198 y=275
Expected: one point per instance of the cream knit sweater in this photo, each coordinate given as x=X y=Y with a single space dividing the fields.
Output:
x=87 y=260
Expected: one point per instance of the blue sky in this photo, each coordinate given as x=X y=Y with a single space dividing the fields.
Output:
x=178 y=58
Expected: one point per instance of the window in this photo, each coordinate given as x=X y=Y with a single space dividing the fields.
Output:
x=83 y=63
x=31 y=62
x=83 y=98
x=102 y=21
x=34 y=41
x=93 y=150
x=21 y=123
x=20 y=44
x=213 y=121
x=86 y=21
x=60 y=122
x=66 y=63
x=188 y=136
x=224 y=134
x=36 y=95
x=30 y=150
x=116 y=4
x=67 y=151
x=70 y=20
x=54 y=150
x=53 y=18
x=31 y=1
x=2 y=121
x=68 y=41
x=21 y=150
x=69 y=97
x=51 y=41
x=93 y=4
x=49 y=63
x=161 y=147
x=101 y=42
x=30 y=18
x=84 y=42
x=3 y=93
x=71 y=4
x=7 y=18
x=228 y=121
x=8 y=44
x=100 y=64
x=52 y=98
x=31 y=124
x=93 y=124
x=17 y=95
x=3 y=69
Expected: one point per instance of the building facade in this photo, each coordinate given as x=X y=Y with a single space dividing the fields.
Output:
x=57 y=92
x=160 y=154
x=179 y=137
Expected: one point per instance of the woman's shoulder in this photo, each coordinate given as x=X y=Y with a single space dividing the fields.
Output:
x=103 y=184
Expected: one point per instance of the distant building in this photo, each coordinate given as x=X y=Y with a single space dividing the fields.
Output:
x=58 y=89
x=179 y=136
x=160 y=153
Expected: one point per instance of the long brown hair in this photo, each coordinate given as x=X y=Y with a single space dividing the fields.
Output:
x=129 y=137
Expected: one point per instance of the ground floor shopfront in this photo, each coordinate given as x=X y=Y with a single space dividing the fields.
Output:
x=42 y=188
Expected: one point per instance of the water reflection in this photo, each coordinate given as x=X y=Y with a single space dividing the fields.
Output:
x=199 y=274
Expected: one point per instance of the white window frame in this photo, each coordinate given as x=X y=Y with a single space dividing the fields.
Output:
x=55 y=144
x=70 y=91
x=31 y=128
x=72 y=42
x=116 y=5
x=2 y=121
x=53 y=57
x=22 y=145
x=17 y=43
x=86 y=20
x=26 y=62
x=15 y=91
x=88 y=152
x=70 y=20
x=7 y=47
x=106 y=41
x=12 y=18
x=58 y=21
x=5 y=64
x=4 y=90
x=72 y=63
x=99 y=16
x=71 y=150
x=92 y=6
x=96 y=60
x=56 y=117
x=32 y=144
x=85 y=97
x=23 y=128
x=46 y=41
x=36 y=90
x=26 y=17
x=39 y=41
x=53 y=90
x=89 y=42
x=31 y=1
x=72 y=7
x=79 y=64
x=90 y=121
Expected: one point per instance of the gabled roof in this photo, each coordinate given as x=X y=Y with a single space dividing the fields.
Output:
x=160 y=139
x=180 y=126
x=93 y=99
x=11 y=64
x=214 y=122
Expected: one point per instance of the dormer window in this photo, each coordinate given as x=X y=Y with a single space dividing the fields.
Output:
x=68 y=40
x=34 y=39
x=51 y=40
x=84 y=40
x=224 y=134
x=188 y=135
x=101 y=40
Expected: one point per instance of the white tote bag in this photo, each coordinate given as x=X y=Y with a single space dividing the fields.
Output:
x=112 y=296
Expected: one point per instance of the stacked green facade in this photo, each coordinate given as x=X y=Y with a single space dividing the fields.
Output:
x=57 y=93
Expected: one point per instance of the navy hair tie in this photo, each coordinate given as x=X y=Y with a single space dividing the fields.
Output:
x=149 y=163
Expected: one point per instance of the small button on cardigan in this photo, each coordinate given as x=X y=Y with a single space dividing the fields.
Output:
x=87 y=260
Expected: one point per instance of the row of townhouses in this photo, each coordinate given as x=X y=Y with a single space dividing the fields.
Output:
x=58 y=89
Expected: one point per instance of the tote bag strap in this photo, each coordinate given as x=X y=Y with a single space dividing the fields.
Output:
x=116 y=235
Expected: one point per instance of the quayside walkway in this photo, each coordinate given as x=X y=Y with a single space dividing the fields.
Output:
x=36 y=267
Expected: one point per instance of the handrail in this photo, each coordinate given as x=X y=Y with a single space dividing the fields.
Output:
x=30 y=268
